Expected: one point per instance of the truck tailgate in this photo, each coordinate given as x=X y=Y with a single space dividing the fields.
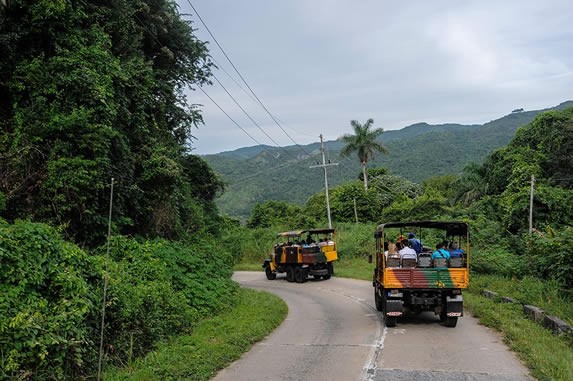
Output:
x=425 y=278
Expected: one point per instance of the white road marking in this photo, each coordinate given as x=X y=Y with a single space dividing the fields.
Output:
x=369 y=369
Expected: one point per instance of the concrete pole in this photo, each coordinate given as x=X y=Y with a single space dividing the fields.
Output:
x=531 y=204
x=323 y=166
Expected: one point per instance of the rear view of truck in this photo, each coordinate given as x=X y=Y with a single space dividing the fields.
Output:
x=426 y=281
x=302 y=253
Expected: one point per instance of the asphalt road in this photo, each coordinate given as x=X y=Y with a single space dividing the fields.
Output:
x=333 y=332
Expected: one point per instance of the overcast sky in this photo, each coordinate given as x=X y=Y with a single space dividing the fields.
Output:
x=317 y=64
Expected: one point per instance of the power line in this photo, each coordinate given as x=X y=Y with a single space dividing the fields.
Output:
x=249 y=116
x=242 y=109
x=243 y=79
x=212 y=100
x=233 y=120
x=219 y=66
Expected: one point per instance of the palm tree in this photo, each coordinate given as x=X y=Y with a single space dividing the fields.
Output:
x=364 y=143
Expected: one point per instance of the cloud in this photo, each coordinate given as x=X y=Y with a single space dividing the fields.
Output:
x=318 y=64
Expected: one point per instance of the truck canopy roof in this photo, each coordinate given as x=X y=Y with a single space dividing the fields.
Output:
x=298 y=233
x=452 y=227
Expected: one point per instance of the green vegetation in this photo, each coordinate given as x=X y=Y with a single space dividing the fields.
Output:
x=95 y=91
x=549 y=357
x=255 y=176
x=52 y=292
x=91 y=91
x=213 y=344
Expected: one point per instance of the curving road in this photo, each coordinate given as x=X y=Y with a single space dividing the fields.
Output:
x=333 y=332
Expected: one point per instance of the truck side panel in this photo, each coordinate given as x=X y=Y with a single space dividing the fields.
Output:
x=425 y=278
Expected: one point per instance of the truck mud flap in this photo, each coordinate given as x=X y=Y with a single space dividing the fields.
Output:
x=454 y=306
x=393 y=308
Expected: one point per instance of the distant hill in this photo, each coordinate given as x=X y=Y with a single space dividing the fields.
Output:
x=259 y=173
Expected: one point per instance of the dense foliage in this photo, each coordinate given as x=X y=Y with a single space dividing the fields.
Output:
x=45 y=302
x=90 y=91
x=51 y=292
x=94 y=90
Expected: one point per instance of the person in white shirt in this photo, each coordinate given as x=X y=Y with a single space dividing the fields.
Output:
x=406 y=252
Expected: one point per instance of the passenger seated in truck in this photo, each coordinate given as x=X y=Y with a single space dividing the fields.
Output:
x=392 y=249
x=440 y=254
x=415 y=243
x=455 y=251
x=407 y=252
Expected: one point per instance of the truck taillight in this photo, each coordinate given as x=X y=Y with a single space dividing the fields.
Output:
x=456 y=292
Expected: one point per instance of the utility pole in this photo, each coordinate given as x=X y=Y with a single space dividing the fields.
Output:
x=323 y=166
x=531 y=204
x=355 y=212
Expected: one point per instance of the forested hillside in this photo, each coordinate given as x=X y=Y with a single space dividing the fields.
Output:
x=261 y=173
x=91 y=91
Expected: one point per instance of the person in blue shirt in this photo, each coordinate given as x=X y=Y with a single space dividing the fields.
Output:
x=440 y=252
x=455 y=251
x=415 y=243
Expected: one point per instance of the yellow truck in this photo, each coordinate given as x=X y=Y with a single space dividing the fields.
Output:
x=432 y=279
x=301 y=253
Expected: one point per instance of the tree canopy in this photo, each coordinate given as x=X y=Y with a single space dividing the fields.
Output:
x=95 y=90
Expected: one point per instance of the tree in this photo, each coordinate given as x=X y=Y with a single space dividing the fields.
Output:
x=95 y=90
x=364 y=143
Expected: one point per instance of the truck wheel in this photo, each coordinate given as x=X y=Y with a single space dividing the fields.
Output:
x=298 y=274
x=390 y=321
x=289 y=274
x=330 y=271
x=304 y=275
x=270 y=274
x=378 y=301
x=451 y=321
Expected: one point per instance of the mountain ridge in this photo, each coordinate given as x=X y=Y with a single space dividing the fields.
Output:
x=418 y=151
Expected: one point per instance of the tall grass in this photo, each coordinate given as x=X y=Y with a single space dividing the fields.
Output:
x=549 y=357
x=213 y=344
x=546 y=294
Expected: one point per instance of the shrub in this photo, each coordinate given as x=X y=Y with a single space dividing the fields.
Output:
x=160 y=288
x=549 y=255
x=355 y=240
x=496 y=260
x=44 y=302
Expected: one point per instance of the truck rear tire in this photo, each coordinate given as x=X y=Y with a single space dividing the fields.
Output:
x=289 y=274
x=330 y=271
x=451 y=321
x=299 y=274
x=378 y=301
x=390 y=321
x=270 y=274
